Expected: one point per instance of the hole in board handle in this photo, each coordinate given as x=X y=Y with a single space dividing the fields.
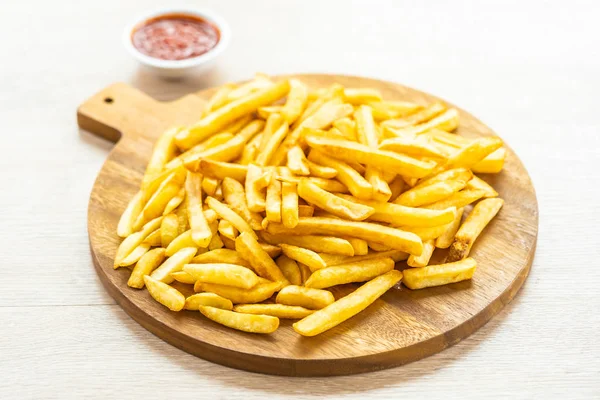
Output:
x=108 y=100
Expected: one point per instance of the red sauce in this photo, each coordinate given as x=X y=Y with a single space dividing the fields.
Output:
x=175 y=37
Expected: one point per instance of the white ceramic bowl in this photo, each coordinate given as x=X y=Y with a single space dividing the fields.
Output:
x=179 y=68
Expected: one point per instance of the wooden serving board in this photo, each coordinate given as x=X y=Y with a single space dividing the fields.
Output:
x=401 y=327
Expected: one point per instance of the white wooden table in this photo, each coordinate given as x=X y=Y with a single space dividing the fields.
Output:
x=530 y=70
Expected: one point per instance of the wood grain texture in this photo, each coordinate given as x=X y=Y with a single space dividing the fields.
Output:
x=401 y=327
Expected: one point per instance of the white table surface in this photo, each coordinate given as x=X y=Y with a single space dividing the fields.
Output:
x=530 y=70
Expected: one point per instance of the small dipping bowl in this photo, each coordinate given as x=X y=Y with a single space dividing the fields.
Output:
x=178 y=68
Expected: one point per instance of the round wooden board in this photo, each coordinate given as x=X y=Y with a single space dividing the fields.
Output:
x=401 y=327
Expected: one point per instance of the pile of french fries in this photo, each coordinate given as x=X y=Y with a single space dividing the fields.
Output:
x=279 y=193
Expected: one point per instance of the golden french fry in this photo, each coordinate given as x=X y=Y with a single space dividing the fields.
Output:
x=348 y=176
x=290 y=269
x=427 y=233
x=247 y=246
x=296 y=101
x=331 y=203
x=229 y=215
x=347 y=127
x=175 y=202
x=194 y=301
x=458 y=199
x=183 y=277
x=182 y=241
x=394 y=238
x=164 y=294
x=272 y=146
x=215 y=241
x=201 y=233
x=220 y=256
x=429 y=194
x=424 y=115
x=221 y=170
x=320 y=171
x=174 y=263
x=250 y=151
x=305 y=272
x=379 y=247
x=222 y=274
x=228 y=151
x=257 y=180
x=445 y=239
x=258 y=293
x=228 y=113
x=423 y=259
x=480 y=184
x=473 y=152
x=313 y=299
x=297 y=162
x=289 y=204
x=492 y=164
x=271 y=250
x=169 y=229
x=383 y=110
x=210 y=185
x=134 y=240
x=243 y=322
x=447 y=121
x=275 y=310
x=153 y=239
x=359 y=246
x=304 y=256
x=265 y=112
x=184 y=223
x=129 y=216
x=476 y=221
x=347 y=306
x=321 y=119
x=164 y=150
x=235 y=196
x=455 y=174
x=320 y=244
x=396 y=188
x=273 y=201
x=407 y=216
x=148 y=263
x=200 y=148
x=155 y=206
x=356 y=152
x=227 y=229
x=135 y=255
x=218 y=99
x=358 y=96
x=411 y=147
x=305 y=210
x=273 y=123
x=351 y=272
x=260 y=81
x=437 y=275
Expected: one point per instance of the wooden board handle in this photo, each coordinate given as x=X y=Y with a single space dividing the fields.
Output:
x=111 y=112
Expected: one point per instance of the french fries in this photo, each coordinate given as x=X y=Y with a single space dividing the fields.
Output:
x=347 y=273
x=222 y=274
x=207 y=299
x=332 y=203
x=219 y=118
x=240 y=321
x=313 y=299
x=307 y=257
x=275 y=310
x=320 y=244
x=480 y=216
x=347 y=307
x=281 y=191
x=437 y=275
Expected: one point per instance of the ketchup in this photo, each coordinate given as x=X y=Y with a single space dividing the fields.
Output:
x=175 y=37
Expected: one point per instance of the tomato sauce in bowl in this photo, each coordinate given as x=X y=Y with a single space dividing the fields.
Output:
x=175 y=37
